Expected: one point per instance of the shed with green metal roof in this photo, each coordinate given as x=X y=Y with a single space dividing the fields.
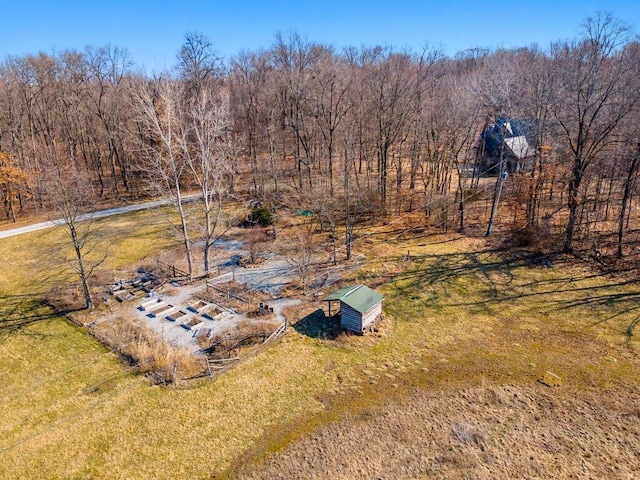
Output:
x=360 y=307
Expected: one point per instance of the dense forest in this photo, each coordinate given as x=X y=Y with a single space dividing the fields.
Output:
x=366 y=131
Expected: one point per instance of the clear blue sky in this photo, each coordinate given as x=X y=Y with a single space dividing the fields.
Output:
x=153 y=30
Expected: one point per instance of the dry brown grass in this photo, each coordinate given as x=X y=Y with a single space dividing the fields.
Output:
x=470 y=409
x=478 y=432
x=144 y=349
x=473 y=316
x=459 y=311
x=252 y=332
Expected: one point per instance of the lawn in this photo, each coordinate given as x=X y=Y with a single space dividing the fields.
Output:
x=458 y=313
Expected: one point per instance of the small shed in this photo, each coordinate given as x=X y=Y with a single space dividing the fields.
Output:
x=360 y=307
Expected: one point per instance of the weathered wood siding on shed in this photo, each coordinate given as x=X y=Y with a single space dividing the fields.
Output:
x=352 y=319
x=371 y=315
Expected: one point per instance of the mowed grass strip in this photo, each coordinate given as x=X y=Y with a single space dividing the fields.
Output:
x=450 y=305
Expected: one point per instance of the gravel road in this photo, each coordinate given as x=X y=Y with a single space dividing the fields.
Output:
x=95 y=215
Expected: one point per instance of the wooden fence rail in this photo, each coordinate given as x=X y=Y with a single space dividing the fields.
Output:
x=216 y=366
x=227 y=293
x=172 y=268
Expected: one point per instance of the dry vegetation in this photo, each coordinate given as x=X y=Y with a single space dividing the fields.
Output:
x=476 y=432
x=483 y=329
x=146 y=351
x=235 y=295
x=239 y=341
x=448 y=386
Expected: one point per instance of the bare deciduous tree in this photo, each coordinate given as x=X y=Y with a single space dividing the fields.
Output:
x=207 y=143
x=593 y=87
x=298 y=247
x=198 y=62
x=410 y=122
x=159 y=107
x=69 y=192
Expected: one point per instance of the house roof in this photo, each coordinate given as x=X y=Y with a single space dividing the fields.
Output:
x=519 y=146
x=513 y=133
x=359 y=297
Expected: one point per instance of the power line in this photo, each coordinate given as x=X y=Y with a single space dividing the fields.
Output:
x=51 y=378
x=61 y=421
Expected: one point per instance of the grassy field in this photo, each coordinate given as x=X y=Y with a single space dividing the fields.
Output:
x=461 y=317
x=474 y=332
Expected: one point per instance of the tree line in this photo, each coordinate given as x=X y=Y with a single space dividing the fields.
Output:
x=345 y=134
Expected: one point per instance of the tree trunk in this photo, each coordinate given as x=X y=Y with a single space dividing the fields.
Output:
x=185 y=233
x=626 y=196
x=496 y=198
x=208 y=233
x=82 y=272
x=573 y=203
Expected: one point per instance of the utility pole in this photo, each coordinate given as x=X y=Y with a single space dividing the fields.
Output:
x=502 y=176
x=496 y=197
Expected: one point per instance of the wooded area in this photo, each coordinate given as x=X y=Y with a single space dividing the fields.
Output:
x=370 y=131
x=451 y=185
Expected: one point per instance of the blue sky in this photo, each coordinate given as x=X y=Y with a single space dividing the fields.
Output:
x=153 y=31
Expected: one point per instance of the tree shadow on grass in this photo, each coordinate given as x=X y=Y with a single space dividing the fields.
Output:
x=318 y=325
x=19 y=311
x=493 y=273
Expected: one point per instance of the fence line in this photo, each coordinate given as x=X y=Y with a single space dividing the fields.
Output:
x=216 y=366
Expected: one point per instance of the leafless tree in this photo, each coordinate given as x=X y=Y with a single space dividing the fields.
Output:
x=301 y=114
x=106 y=69
x=160 y=117
x=69 y=193
x=299 y=249
x=198 y=62
x=462 y=122
x=593 y=99
x=629 y=184
x=540 y=83
x=330 y=104
x=248 y=82
x=390 y=89
x=293 y=57
x=207 y=144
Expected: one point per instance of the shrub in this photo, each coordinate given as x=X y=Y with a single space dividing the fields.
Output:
x=262 y=216
x=537 y=237
x=471 y=195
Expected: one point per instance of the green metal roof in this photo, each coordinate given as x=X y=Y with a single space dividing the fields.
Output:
x=338 y=294
x=359 y=297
